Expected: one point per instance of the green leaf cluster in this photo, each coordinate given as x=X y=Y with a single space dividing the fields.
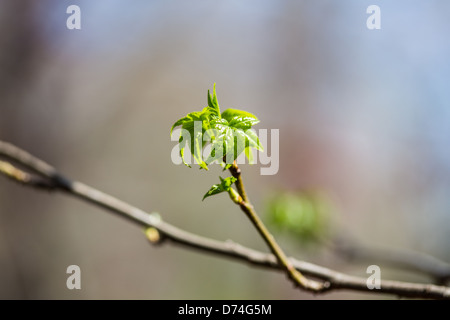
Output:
x=229 y=133
x=223 y=186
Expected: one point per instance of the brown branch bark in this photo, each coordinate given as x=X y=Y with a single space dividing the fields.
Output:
x=245 y=205
x=332 y=280
x=403 y=259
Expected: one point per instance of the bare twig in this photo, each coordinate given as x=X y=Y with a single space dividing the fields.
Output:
x=282 y=259
x=411 y=260
x=23 y=177
x=333 y=280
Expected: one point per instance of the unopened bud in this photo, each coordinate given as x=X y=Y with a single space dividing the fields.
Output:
x=234 y=195
x=153 y=235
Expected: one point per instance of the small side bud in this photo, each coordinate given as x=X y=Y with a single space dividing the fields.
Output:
x=234 y=195
x=153 y=235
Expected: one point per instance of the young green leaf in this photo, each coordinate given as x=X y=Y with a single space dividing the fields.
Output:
x=253 y=140
x=229 y=133
x=230 y=142
x=223 y=186
x=225 y=166
x=213 y=104
x=249 y=155
x=215 y=189
x=229 y=114
x=243 y=122
x=227 y=182
x=179 y=123
x=193 y=126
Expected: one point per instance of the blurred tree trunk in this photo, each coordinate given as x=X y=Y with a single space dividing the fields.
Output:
x=26 y=119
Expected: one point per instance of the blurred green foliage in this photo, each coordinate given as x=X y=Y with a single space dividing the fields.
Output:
x=304 y=215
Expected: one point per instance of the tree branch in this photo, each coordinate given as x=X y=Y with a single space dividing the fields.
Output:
x=415 y=261
x=333 y=280
x=246 y=206
x=20 y=176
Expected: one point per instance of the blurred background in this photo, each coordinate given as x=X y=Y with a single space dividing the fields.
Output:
x=363 y=115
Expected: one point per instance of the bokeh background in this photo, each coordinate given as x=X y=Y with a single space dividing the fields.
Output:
x=363 y=115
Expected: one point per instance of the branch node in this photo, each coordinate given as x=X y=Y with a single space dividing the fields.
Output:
x=154 y=236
